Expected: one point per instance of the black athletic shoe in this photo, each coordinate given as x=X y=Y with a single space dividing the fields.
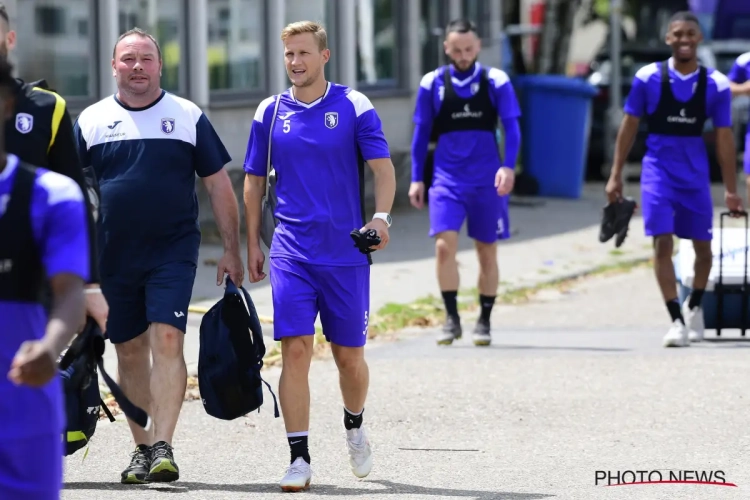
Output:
x=137 y=471
x=616 y=219
x=625 y=210
x=451 y=331
x=163 y=467
x=607 y=228
x=482 y=335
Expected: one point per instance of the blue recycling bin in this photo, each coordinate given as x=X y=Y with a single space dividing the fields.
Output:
x=555 y=127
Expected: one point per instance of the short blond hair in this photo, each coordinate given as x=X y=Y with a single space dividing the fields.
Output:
x=301 y=27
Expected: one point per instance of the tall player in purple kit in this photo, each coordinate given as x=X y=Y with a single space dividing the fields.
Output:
x=739 y=77
x=676 y=97
x=461 y=103
x=49 y=250
x=322 y=135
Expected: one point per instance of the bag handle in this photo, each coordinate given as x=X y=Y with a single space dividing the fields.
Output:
x=270 y=136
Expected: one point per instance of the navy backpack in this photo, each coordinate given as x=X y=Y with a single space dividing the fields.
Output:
x=231 y=357
x=79 y=369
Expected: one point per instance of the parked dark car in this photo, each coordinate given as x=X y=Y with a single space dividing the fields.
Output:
x=634 y=56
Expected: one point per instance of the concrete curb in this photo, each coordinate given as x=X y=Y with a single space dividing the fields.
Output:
x=588 y=271
x=198 y=309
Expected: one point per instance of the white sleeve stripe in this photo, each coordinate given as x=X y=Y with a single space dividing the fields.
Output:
x=427 y=80
x=722 y=82
x=744 y=59
x=59 y=188
x=262 y=108
x=360 y=101
x=645 y=73
x=498 y=76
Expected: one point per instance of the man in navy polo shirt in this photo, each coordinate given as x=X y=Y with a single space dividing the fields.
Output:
x=146 y=147
x=676 y=97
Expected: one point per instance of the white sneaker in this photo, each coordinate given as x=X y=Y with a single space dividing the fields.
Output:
x=694 y=322
x=297 y=477
x=360 y=451
x=677 y=336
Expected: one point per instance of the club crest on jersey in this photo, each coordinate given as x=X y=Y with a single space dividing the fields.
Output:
x=474 y=88
x=332 y=119
x=24 y=123
x=167 y=125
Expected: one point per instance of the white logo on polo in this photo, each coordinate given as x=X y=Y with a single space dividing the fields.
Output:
x=682 y=118
x=466 y=113
x=24 y=123
x=6 y=265
x=332 y=119
x=179 y=314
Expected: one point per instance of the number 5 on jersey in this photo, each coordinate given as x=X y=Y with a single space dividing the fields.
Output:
x=287 y=126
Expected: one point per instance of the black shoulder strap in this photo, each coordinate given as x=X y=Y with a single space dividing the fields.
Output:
x=665 y=72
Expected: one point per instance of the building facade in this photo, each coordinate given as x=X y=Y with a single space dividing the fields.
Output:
x=226 y=55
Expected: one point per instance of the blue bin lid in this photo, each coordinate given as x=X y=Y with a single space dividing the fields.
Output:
x=560 y=83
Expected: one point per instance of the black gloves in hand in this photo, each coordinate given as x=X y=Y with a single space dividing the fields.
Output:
x=363 y=241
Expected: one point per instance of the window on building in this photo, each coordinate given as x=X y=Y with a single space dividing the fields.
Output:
x=322 y=11
x=236 y=55
x=50 y=20
x=164 y=19
x=478 y=11
x=52 y=46
x=432 y=33
x=378 y=41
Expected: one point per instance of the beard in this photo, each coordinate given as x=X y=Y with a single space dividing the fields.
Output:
x=465 y=66
x=3 y=51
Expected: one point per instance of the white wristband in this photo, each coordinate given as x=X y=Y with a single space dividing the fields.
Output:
x=90 y=291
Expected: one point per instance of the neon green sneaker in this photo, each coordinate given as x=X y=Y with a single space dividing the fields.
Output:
x=163 y=467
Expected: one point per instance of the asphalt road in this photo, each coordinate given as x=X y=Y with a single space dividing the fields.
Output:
x=573 y=384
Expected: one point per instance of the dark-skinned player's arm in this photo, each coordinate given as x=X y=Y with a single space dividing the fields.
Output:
x=35 y=363
x=64 y=249
x=635 y=107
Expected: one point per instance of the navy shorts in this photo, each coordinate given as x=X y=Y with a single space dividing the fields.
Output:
x=340 y=294
x=137 y=299
x=40 y=481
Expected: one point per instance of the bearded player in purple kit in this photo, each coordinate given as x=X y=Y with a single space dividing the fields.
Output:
x=323 y=134
x=460 y=104
x=676 y=97
x=739 y=77
x=44 y=246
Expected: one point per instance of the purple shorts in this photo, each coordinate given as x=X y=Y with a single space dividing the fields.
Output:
x=486 y=213
x=31 y=468
x=685 y=214
x=747 y=154
x=341 y=294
